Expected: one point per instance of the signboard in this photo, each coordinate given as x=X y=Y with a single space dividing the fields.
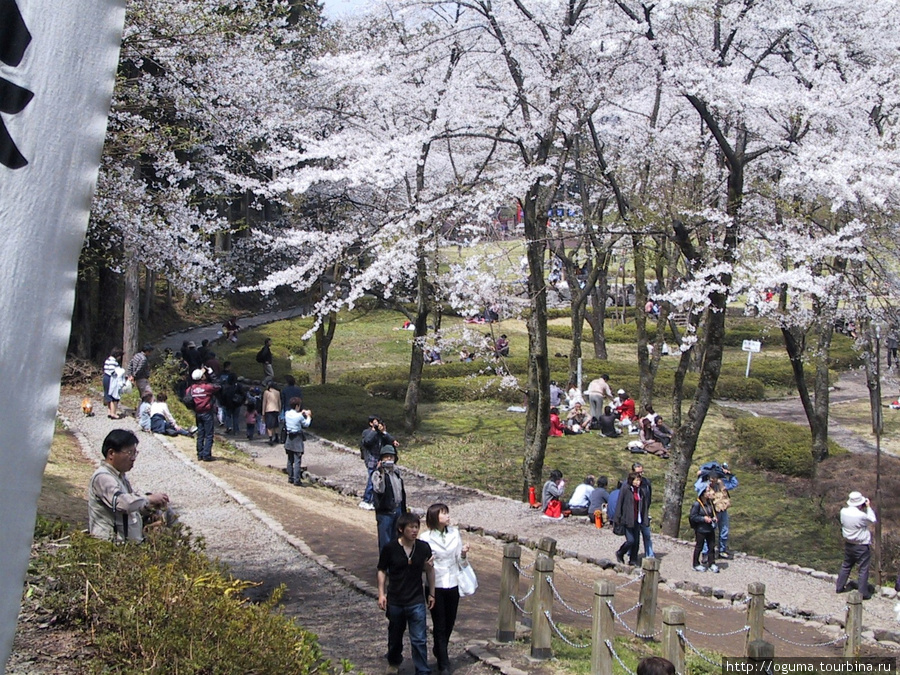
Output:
x=753 y=346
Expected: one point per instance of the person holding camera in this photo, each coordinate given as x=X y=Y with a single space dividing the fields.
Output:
x=295 y=421
x=389 y=495
x=856 y=518
x=202 y=392
x=373 y=439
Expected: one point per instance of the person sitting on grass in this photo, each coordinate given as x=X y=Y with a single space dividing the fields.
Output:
x=116 y=511
x=143 y=412
x=556 y=426
x=607 y=420
x=581 y=498
x=578 y=421
x=648 y=441
x=161 y=419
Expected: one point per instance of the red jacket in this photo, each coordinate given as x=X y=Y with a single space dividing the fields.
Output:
x=626 y=410
x=556 y=427
x=202 y=393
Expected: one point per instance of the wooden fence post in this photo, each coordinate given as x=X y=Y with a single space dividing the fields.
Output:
x=853 y=625
x=649 y=584
x=603 y=627
x=546 y=546
x=756 y=611
x=509 y=587
x=758 y=652
x=543 y=602
x=673 y=645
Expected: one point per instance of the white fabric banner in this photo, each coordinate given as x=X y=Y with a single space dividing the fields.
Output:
x=57 y=70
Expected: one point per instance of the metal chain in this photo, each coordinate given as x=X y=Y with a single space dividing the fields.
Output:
x=633 y=581
x=612 y=651
x=563 y=637
x=804 y=644
x=576 y=580
x=697 y=651
x=631 y=609
x=582 y=612
x=629 y=628
x=521 y=570
x=524 y=598
x=734 y=632
x=876 y=614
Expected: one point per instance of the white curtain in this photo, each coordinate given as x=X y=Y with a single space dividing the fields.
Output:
x=57 y=70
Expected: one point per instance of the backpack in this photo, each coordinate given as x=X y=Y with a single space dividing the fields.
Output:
x=261 y=355
x=188 y=400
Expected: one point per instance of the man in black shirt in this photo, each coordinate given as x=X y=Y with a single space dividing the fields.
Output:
x=402 y=561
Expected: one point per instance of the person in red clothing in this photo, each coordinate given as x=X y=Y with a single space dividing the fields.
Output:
x=202 y=392
x=626 y=411
x=557 y=428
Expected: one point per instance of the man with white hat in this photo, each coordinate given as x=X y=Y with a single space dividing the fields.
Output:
x=855 y=520
x=202 y=391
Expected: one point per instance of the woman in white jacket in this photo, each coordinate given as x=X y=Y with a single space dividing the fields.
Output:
x=449 y=551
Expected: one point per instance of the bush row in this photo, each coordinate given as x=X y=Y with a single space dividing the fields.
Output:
x=782 y=447
x=449 y=390
x=164 y=605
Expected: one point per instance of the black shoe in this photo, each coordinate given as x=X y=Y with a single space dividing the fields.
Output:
x=620 y=558
x=843 y=590
x=208 y=459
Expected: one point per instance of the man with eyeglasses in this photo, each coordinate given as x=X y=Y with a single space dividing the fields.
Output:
x=115 y=511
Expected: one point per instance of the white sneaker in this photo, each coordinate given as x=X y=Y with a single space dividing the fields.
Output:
x=714 y=568
x=699 y=568
x=366 y=506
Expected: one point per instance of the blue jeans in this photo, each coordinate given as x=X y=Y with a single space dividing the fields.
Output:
x=293 y=466
x=723 y=530
x=205 y=425
x=648 y=545
x=398 y=619
x=369 y=494
x=229 y=419
x=387 y=527
x=632 y=542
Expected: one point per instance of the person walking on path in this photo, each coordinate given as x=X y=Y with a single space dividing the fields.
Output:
x=855 y=520
x=631 y=511
x=402 y=562
x=449 y=551
x=139 y=370
x=264 y=356
x=271 y=408
x=295 y=421
x=203 y=392
x=110 y=366
x=647 y=494
x=115 y=509
x=373 y=440
x=703 y=520
x=389 y=494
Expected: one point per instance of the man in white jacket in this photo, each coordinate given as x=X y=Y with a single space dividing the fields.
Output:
x=855 y=520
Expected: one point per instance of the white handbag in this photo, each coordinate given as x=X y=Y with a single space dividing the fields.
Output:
x=467 y=582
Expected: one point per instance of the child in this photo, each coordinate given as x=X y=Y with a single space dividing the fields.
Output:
x=251 y=419
x=144 y=412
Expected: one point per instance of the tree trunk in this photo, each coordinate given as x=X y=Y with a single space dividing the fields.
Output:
x=640 y=320
x=417 y=358
x=537 y=416
x=149 y=294
x=81 y=336
x=324 y=336
x=109 y=312
x=131 y=307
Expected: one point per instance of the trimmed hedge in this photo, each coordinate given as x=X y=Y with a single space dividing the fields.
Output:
x=782 y=447
x=449 y=390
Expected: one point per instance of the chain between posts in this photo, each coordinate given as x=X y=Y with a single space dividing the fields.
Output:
x=524 y=598
x=563 y=637
x=733 y=632
x=633 y=581
x=804 y=644
x=612 y=651
x=705 y=606
x=629 y=628
x=697 y=651
x=521 y=570
x=582 y=612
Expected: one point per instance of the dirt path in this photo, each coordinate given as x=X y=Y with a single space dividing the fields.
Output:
x=308 y=531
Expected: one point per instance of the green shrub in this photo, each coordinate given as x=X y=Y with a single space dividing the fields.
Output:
x=447 y=390
x=164 y=607
x=343 y=410
x=778 y=446
x=740 y=388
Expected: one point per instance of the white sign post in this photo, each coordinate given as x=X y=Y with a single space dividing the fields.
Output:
x=751 y=347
